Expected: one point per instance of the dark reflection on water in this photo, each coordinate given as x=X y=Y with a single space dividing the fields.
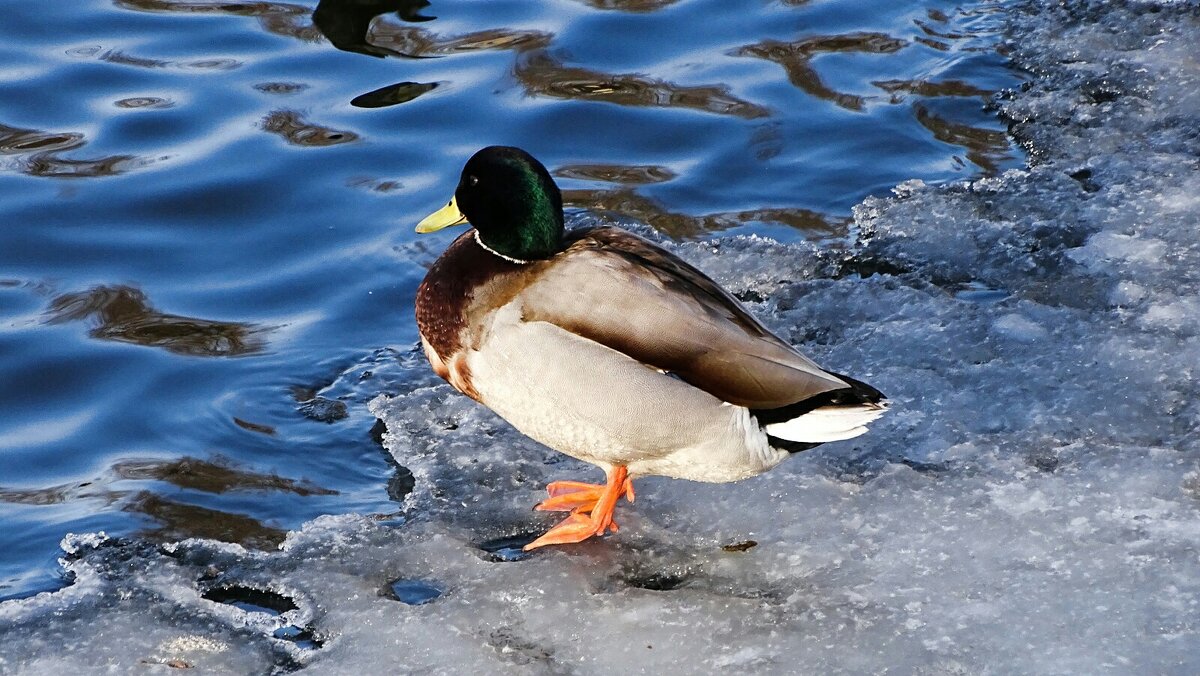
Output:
x=212 y=476
x=941 y=39
x=379 y=185
x=280 y=87
x=420 y=42
x=121 y=58
x=293 y=128
x=254 y=427
x=350 y=25
x=123 y=314
x=14 y=140
x=50 y=165
x=616 y=173
x=143 y=102
x=796 y=57
x=346 y=23
x=401 y=92
x=986 y=148
x=630 y=5
x=626 y=202
x=61 y=494
x=932 y=32
x=180 y=521
x=275 y=17
x=40 y=155
x=542 y=74
x=897 y=88
x=347 y=26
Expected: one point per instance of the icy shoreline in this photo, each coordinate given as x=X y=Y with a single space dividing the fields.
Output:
x=1032 y=505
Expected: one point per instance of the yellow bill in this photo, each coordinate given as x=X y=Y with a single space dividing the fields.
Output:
x=442 y=218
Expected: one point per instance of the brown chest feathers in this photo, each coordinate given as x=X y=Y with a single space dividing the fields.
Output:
x=465 y=281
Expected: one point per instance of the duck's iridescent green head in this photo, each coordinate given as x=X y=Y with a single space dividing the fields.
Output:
x=511 y=200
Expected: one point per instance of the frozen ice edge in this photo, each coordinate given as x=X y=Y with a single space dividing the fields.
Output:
x=1031 y=505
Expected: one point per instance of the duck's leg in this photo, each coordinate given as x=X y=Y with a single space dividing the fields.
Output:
x=567 y=496
x=590 y=516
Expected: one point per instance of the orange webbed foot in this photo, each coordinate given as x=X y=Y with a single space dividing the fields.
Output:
x=566 y=496
x=591 y=508
x=557 y=488
x=570 y=496
x=577 y=496
x=575 y=528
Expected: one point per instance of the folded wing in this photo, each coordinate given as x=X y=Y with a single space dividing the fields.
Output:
x=624 y=292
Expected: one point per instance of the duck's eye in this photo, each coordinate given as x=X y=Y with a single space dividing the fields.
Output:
x=472 y=180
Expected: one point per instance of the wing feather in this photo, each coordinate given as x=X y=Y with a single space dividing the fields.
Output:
x=622 y=291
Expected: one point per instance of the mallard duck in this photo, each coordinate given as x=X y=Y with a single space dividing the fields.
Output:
x=605 y=347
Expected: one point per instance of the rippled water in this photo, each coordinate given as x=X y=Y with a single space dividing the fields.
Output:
x=206 y=256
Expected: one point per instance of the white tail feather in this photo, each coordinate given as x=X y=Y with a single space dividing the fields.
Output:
x=828 y=423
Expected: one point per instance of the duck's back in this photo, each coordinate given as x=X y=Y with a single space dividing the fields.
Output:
x=621 y=291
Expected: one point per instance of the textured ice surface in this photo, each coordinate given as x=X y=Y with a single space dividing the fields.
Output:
x=1030 y=505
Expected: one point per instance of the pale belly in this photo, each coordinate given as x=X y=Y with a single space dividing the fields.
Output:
x=600 y=406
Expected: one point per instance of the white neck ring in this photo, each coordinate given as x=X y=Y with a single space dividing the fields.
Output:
x=492 y=251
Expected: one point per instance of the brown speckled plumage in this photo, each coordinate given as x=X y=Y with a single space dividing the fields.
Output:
x=447 y=290
x=451 y=293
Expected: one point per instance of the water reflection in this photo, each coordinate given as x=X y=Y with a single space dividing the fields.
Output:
x=275 y=17
x=630 y=5
x=14 y=140
x=346 y=23
x=931 y=89
x=293 y=128
x=932 y=32
x=40 y=155
x=542 y=74
x=143 y=102
x=381 y=185
x=254 y=427
x=419 y=42
x=178 y=520
x=121 y=58
x=627 y=202
x=616 y=173
x=986 y=148
x=938 y=39
x=211 y=476
x=49 y=165
x=796 y=57
x=401 y=92
x=61 y=494
x=280 y=87
x=123 y=314
x=350 y=25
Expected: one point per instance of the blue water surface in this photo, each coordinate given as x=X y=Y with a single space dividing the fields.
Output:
x=207 y=261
